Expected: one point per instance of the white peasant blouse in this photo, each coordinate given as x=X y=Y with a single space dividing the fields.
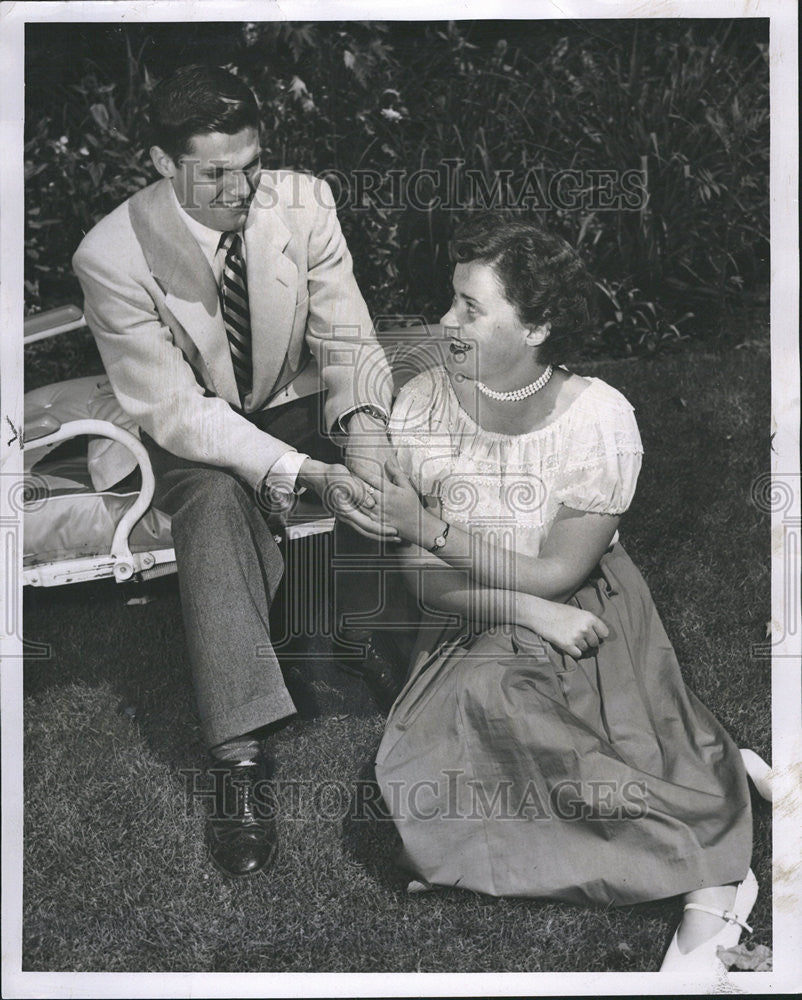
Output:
x=511 y=486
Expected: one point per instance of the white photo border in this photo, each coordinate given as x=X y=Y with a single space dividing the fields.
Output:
x=786 y=685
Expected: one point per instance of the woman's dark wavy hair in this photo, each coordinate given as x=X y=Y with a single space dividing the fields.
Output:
x=197 y=100
x=541 y=275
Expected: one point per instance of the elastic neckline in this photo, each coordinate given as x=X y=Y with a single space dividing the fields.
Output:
x=498 y=435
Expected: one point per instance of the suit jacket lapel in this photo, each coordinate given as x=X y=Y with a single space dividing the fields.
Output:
x=272 y=286
x=183 y=273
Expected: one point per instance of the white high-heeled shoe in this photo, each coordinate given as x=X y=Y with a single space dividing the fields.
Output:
x=760 y=773
x=703 y=960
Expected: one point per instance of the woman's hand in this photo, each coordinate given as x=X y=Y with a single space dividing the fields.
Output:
x=399 y=507
x=570 y=629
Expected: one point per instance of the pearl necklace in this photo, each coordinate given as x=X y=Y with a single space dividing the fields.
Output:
x=516 y=394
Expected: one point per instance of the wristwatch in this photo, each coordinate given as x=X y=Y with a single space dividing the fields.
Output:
x=440 y=541
x=373 y=411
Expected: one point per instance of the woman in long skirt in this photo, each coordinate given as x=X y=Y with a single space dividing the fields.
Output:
x=545 y=744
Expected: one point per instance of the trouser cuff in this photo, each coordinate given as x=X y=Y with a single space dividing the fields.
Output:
x=244 y=718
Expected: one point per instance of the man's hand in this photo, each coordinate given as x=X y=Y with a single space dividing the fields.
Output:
x=368 y=448
x=345 y=495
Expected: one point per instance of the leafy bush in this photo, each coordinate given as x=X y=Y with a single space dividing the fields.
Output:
x=661 y=127
x=76 y=171
x=637 y=323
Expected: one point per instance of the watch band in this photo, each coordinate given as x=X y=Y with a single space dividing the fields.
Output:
x=440 y=541
x=369 y=408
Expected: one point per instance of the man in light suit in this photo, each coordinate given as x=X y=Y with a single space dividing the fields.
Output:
x=218 y=296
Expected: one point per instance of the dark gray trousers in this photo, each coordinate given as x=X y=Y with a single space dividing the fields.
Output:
x=229 y=568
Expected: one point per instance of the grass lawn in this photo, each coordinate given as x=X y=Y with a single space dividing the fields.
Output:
x=115 y=873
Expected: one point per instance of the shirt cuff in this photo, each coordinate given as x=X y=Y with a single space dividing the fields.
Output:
x=284 y=472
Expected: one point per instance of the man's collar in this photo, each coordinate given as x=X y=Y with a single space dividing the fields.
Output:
x=208 y=239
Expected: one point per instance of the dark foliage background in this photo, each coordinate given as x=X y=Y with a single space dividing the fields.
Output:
x=684 y=101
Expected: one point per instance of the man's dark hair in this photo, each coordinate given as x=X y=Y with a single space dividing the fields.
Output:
x=541 y=275
x=197 y=100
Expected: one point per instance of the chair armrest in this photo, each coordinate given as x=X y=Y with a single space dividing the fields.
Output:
x=120 y=551
x=51 y=323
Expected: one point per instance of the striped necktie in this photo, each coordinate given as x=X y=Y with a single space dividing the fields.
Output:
x=236 y=312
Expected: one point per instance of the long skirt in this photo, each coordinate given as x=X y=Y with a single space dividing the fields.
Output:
x=512 y=769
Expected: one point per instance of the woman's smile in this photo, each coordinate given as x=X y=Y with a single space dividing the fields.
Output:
x=459 y=348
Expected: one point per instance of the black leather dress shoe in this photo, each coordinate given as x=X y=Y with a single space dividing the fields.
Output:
x=241 y=829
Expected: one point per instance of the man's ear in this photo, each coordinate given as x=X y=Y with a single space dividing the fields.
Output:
x=162 y=161
x=537 y=335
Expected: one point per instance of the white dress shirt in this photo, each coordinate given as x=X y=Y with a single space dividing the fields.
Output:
x=283 y=474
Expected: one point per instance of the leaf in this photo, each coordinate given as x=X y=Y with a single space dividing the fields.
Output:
x=33 y=171
x=298 y=88
x=96 y=172
x=757 y=959
x=100 y=114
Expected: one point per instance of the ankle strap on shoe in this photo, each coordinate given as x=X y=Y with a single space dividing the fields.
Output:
x=728 y=915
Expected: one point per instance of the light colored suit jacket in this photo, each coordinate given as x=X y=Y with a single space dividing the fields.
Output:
x=152 y=303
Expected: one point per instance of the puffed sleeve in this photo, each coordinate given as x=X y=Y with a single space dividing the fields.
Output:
x=601 y=456
x=416 y=429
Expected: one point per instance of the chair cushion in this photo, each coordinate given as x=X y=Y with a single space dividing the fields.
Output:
x=67 y=518
x=89 y=398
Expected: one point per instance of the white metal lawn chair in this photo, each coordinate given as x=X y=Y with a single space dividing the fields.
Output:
x=81 y=525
